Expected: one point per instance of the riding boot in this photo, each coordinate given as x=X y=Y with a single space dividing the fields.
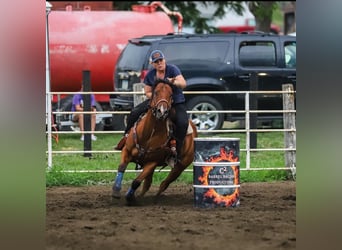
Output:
x=179 y=145
x=121 y=143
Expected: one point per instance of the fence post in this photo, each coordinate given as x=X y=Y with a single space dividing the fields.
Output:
x=253 y=106
x=48 y=89
x=289 y=120
x=87 y=117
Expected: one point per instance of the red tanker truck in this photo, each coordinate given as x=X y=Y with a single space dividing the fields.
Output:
x=92 y=40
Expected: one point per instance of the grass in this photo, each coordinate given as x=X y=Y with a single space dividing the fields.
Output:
x=110 y=161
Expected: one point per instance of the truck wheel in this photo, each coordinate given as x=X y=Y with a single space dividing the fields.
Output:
x=119 y=122
x=205 y=121
x=63 y=119
x=99 y=126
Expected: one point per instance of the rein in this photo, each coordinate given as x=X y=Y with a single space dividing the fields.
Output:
x=154 y=109
x=142 y=150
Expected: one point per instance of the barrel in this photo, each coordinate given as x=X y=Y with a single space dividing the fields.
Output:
x=216 y=169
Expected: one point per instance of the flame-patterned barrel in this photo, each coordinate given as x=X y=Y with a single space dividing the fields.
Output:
x=216 y=170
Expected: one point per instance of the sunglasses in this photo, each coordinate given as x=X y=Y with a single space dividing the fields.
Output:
x=158 y=61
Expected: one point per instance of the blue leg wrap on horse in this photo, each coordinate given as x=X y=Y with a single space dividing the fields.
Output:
x=118 y=180
x=130 y=192
x=135 y=184
x=133 y=187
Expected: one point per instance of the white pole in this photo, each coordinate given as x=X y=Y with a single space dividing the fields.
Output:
x=48 y=95
x=248 y=134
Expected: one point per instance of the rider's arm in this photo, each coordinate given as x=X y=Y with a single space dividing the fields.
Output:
x=178 y=81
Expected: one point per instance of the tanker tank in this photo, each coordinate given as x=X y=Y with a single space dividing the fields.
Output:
x=93 y=40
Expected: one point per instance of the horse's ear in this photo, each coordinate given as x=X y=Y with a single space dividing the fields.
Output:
x=158 y=80
x=168 y=82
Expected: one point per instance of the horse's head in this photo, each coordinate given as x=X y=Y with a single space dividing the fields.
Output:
x=161 y=100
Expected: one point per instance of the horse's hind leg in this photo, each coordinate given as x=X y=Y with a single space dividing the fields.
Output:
x=146 y=185
x=172 y=176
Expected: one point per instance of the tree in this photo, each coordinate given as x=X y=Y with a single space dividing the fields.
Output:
x=193 y=17
x=263 y=12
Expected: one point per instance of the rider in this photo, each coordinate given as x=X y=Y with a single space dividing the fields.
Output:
x=170 y=72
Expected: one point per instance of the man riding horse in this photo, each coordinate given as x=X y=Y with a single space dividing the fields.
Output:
x=171 y=73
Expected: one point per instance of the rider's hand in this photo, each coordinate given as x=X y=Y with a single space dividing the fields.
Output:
x=171 y=80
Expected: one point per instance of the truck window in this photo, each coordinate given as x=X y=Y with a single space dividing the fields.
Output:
x=257 y=54
x=133 y=56
x=197 y=51
x=290 y=55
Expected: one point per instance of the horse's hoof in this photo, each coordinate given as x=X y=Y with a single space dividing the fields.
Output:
x=130 y=200
x=141 y=195
x=116 y=194
x=156 y=199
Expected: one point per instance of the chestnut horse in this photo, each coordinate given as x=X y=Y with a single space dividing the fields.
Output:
x=148 y=144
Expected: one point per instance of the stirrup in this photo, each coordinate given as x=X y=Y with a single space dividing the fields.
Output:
x=171 y=161
x=138 y=166
x=173 y=147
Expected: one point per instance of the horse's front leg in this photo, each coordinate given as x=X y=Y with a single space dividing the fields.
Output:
x=118 y=180
x=147 y=171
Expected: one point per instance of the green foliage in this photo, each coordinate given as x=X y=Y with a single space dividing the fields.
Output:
x=192 y=16
x=278 y=17
x=62 y=162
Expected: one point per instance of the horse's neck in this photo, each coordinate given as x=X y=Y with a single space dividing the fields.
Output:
x=150 y=126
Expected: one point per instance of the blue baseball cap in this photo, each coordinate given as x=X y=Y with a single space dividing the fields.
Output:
x=156 y=55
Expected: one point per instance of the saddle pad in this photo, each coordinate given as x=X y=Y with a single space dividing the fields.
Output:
x=190 y=130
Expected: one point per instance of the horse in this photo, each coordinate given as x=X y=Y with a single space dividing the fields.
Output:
x=149 y=144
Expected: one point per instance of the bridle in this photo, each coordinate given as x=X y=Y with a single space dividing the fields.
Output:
x=162 y=107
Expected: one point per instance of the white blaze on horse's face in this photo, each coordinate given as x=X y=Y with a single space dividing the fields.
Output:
x=162 y=110
x=161 y=101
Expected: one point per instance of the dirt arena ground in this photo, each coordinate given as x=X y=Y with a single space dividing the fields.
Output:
x=87 y=218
